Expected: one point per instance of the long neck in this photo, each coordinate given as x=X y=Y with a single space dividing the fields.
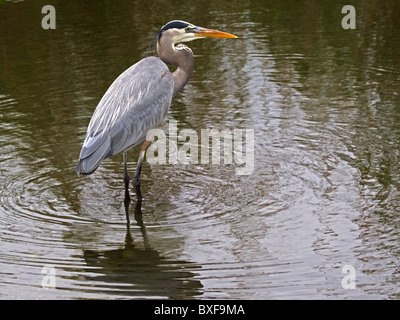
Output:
x=181 y=57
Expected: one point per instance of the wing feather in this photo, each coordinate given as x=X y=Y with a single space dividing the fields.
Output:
x=137 y=101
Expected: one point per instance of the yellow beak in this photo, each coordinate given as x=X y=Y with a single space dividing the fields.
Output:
x=209 y=33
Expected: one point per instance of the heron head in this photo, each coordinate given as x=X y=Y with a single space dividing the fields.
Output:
x=181 y=31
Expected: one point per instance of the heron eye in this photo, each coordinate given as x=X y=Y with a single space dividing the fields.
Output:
x=189 y=29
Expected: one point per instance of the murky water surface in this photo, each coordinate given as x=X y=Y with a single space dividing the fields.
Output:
x=324 y=105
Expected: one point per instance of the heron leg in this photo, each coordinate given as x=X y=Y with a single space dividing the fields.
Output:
x=126 y=181
x=136 y=178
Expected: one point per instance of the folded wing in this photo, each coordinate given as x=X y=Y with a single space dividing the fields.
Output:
x=137 y=101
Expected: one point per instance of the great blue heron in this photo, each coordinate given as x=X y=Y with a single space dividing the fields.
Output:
x=139 y=99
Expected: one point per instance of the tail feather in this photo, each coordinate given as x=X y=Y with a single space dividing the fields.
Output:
x=81 y=168
x=87 y=165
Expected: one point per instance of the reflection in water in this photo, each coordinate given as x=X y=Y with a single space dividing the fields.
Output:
x=131 y=270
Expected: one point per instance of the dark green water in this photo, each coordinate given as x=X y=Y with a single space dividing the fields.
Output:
x=324 y=105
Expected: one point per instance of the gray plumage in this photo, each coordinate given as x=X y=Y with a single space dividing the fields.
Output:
x=137 y=101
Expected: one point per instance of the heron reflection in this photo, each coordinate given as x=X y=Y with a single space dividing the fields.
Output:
x=143 y=272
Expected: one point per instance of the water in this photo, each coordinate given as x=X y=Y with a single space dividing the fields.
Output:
x=324 y=105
